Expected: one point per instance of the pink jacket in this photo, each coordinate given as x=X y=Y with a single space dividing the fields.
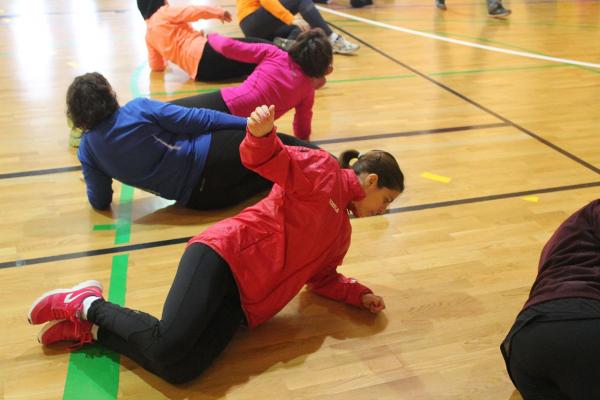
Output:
x=169 y=36
x=297 y=235
x=276 y=80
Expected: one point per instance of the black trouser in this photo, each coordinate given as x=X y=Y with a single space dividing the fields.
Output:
x=557 y=360
x=211 y=100
x=201 y=314
x=214 y=66
x=225 y=181
x=263 y=24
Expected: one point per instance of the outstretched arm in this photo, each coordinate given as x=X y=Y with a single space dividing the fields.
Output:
x=335 y=286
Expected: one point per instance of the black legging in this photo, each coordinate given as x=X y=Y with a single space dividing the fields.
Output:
x=214 y=66
x=201 y=314
x=263 y=24
x=211 y=100
x=225 y=181
x=557 y=360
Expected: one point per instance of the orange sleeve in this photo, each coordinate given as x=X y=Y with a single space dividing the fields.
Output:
x=155 y=59
x=278 y=10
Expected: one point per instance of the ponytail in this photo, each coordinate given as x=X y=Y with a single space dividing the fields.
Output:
x=378 y=162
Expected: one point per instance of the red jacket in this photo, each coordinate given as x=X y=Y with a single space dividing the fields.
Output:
x=297 y=235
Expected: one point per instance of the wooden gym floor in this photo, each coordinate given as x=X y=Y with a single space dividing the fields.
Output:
x=498 y=148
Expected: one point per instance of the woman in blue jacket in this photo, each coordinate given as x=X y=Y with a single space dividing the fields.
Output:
x=190 y=155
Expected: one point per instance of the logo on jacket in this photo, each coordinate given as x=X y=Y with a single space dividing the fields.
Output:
x=334 y=206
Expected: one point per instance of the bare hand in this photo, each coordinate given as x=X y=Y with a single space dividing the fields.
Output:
x=260 y=122
x=302 y=24
x=373 y=302
x=226 y=17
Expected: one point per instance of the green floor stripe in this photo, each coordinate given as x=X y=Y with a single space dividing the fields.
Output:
x=104 y=227
x=388 y=77
x=124 y=220
x=93 y=372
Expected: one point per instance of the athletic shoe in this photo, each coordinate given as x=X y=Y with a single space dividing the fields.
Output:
x=498 y=11
x=66 y=331
x=441 y=4
x=342 y=46
x=283 y=44
x=63 y=303
x=322 y=1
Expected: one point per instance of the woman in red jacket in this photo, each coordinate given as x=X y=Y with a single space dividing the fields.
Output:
x=244 y=269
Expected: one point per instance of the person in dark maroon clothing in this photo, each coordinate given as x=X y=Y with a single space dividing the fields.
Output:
x=553 y=349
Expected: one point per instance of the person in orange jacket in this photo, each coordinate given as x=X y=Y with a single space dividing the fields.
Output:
x=244 y=269
x=170 y=37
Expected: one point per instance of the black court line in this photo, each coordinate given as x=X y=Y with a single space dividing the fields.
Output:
x=410 y=133
x=169 y=242
x=482 y=199
x=476 y=104
x=40 y=172
x=317 y=142
x=89 y=253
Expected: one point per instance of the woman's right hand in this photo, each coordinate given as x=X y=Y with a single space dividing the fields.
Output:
x=260 y=122
x=302 y=24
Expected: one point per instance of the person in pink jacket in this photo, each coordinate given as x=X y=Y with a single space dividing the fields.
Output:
x=244 y=269
x=287 y=80
x=170 y=37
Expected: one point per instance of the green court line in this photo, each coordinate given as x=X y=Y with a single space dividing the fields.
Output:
x=104 y=227
x=93 y=372
x=123 y=230
x=388 y=77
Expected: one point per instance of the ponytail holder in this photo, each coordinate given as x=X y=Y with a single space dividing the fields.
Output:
x=353 y=160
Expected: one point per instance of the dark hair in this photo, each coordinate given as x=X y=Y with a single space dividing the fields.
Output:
x=90 y=100
x=149 y=7
x=378 y=162
x=312 y=52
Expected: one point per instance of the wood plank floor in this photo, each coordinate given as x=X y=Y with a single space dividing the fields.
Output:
x=497 y=150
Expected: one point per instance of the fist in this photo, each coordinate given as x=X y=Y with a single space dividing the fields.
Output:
x=373 y=303
x=260 y=122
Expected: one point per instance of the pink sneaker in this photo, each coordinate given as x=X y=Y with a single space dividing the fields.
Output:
x=66 y=331
x=63 y=303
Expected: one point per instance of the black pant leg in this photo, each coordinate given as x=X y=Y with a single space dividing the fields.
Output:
x=203 y=280
x=557 y=360
x=211 y=343
x=211 y=100
x=262 y=24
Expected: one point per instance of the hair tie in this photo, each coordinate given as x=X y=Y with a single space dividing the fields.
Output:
x=353 y=160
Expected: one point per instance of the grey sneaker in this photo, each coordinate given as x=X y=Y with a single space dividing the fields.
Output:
x=283 y=44
x=498 y=11
x=342 y=46
x=441 y=4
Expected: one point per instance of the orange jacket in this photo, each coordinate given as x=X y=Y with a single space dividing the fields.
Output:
x=169 y=36
x=247 y=7
x=296 y=236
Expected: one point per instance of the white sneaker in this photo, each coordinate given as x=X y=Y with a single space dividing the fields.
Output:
x=342 y=46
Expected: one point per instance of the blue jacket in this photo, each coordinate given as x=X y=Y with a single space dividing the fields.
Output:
x=158 y=147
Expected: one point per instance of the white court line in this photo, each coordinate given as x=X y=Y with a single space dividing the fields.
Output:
x=460 y=42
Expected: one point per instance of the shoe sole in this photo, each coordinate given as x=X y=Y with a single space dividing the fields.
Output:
x=506 y=14
x=346 y=52
x=81 y=285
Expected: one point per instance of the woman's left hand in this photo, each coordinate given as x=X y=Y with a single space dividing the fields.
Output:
x=373 y=302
